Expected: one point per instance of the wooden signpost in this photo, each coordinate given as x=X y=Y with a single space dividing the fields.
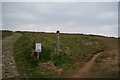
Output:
x=57 y=43
x=38 y=49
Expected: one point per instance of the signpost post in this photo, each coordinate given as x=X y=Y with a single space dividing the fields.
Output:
x=38 y=49
x=57 y=43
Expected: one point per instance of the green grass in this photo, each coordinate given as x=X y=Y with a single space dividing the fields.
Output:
x=6 y=34
x=75 y=50
x=104 y=68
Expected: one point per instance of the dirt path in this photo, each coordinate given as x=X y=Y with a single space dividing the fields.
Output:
x=82 y=72
x=8 y=63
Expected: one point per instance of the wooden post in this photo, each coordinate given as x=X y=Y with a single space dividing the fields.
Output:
x=38 y=55
x=57 y=43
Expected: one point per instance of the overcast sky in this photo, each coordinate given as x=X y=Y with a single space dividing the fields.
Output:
x=71 y=17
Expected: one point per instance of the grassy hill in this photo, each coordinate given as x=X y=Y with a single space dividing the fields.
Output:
x=75 y=51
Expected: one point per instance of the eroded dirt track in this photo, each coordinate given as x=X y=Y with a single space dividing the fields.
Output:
x=109 y=62
x=8 y=63
x=82 y=72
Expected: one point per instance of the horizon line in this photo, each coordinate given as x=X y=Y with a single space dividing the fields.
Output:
x=92 y=34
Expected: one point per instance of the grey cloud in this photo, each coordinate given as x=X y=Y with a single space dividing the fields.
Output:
x=0 y=15
x=66 y=16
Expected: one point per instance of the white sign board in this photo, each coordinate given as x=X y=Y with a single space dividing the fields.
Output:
x=38 y=47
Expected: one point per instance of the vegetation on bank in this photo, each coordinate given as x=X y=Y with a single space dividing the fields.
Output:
x=6 y=33
x=75 y=50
